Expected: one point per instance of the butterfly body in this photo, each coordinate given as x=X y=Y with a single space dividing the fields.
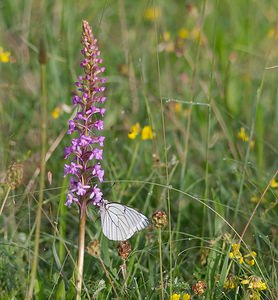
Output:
x=119 y=222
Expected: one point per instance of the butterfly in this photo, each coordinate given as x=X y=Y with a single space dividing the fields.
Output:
x=119 y=222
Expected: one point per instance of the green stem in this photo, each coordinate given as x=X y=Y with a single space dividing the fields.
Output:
x=81 y=250
x=204 y=213
x=42 y=179
x=130 y=169
x=160 y=263
x=260 y=138
x=62 y=221
x=246 y=160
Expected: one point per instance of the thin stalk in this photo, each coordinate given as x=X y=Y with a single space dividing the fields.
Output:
x=5 y=199
x=42 y=180
x=108 y=277
x=131 y=167
x=255 y=209
x=167 y=174
x=260 y=138
x=246 y=160
x=192 y=100
x=133 y=160
x=123 y=268
x=160 y=263
x=62 y=222
x=81 y=250
x=204 y=213
x=207 y=144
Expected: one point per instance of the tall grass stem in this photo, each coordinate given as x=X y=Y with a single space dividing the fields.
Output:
x=166 y=171
x=41 y=184
x=160 y=263
x=247 y=155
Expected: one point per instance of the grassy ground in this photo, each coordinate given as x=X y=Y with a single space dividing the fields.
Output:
x=198 y=73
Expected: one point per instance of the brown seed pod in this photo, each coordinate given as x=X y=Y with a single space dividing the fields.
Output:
x=159 y=219
x=199 y=288
x=124 y=249
x=14 y=175
x=93 y=248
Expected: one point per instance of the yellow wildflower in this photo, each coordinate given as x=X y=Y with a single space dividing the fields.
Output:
x=250 y=262
x=273 y=183
x=252 y=253
x=4 y=56
x=249 y=258
x=254 y=283
x=166 y=36
x=242 y=135
x=167 y=44
x=147 y=133
x=252 y=144
x=175 y=297
x=134 y=131
x=178 y=107
x=56 y=112
x=245 y=281
x=262 y=286
x=236 y=251
x=256 y=199
x=183 y=33
x=152 y=13
x=230 y=282
x=186 y=297
x=236 y=254
x=197 y=35
x=254 y=295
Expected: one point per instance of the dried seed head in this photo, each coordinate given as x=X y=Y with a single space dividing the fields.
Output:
x=199 y=288
x=159 y=219
x=124 y=249
x=93 y=248
x=14 y=175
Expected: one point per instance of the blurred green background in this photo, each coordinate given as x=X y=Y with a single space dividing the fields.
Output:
x=202 y=74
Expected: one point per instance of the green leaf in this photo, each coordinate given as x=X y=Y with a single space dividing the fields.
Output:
x=61 y=291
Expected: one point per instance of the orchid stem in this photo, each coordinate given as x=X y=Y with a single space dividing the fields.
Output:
x=81 y=250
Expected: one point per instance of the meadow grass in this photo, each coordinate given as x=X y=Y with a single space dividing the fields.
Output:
x=203 y=76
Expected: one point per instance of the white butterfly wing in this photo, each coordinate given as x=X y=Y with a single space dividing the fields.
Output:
x=120 y=222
